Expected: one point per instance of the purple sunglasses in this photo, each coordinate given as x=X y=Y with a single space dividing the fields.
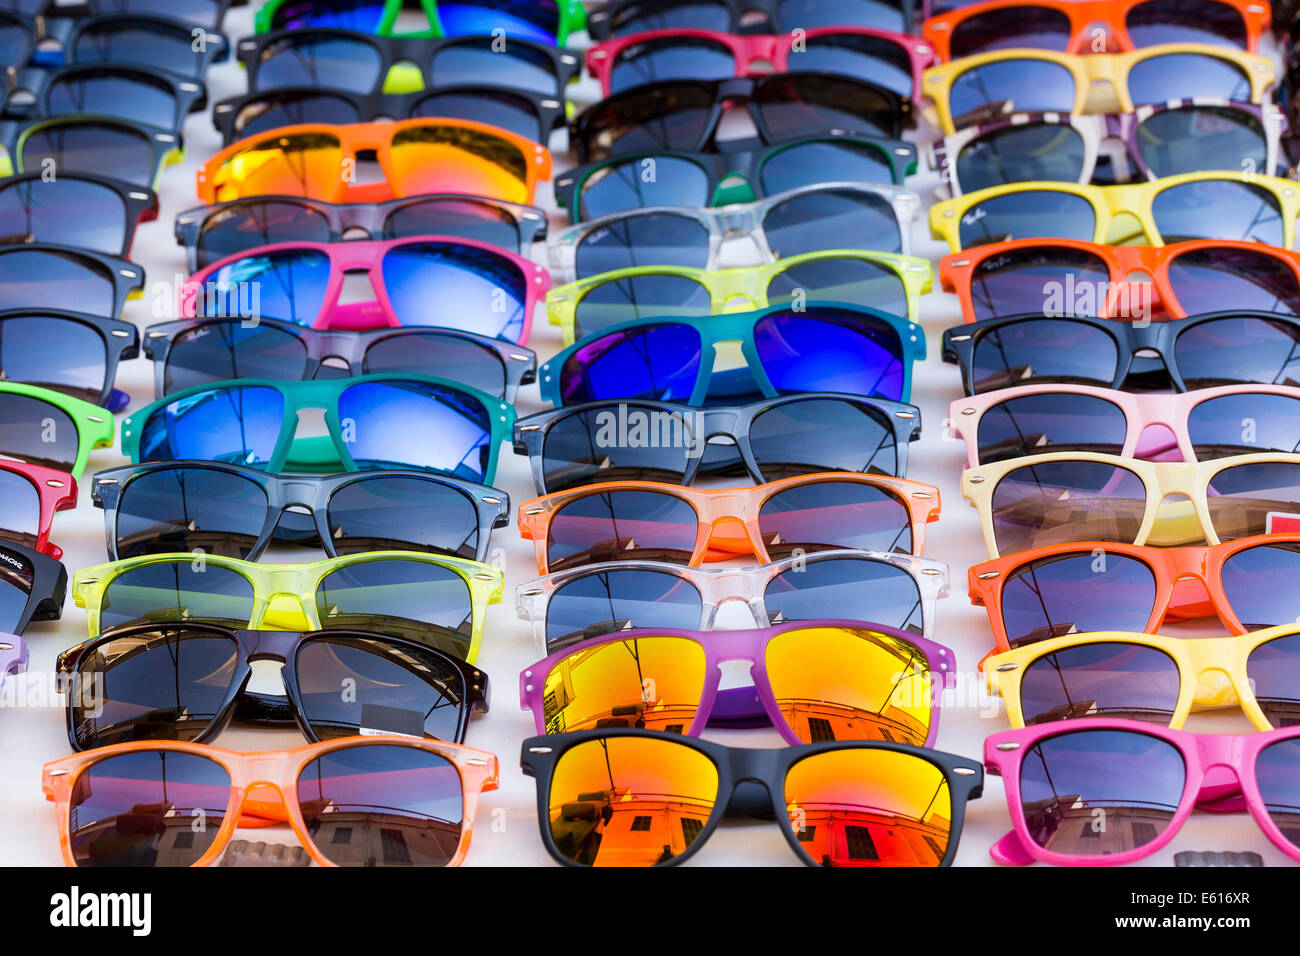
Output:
x=813 y=680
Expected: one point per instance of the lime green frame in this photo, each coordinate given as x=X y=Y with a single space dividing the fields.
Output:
x=741 y=289
x=163 y=154
x=284 y=594
x=573 y=19
x=95 y=426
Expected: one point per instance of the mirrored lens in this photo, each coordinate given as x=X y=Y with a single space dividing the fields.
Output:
x=442 y=158
x=304 y=164
x=428 y=282
x=660 y=362
x=235 y=425
x=535 y=20
x=363 y=16
x=650 y=15
x=288 y=286
x=825 y=350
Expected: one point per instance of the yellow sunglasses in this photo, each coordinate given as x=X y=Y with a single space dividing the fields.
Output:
x=1208 y=205
x=987 y=86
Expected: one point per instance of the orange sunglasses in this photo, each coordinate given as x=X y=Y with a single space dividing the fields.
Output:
x=1095 y=26
x=649 y=520
x=355 y=801
x=417 y=156
x=1071 y=276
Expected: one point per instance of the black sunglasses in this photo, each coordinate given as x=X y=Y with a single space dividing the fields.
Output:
x=204 y=13
x=88 y=143
x=188 y=682
x=69 y=352
x=32 y=587
x=74 y=209
x=52 y=276
x=120 y=90
x=161 y=42
x=623 y=17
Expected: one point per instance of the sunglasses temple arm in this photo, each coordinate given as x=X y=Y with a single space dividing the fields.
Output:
x=1011 y=851
x=117 y=400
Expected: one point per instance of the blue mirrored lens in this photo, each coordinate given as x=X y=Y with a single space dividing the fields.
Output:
x=447 y=283
x=289 y=286
x=659 y=362
x=236 y=425
x=363 y=16
x=830 y=351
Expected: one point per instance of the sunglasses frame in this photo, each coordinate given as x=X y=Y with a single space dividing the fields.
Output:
x=189 y=96
x=121 y=341
x=312 y=493
x=95 y=426
x=254 y=774
x=215 y=46
x=55 y=491
x=165 y=146
x=736 y=765
x=49 y=584
x=601 y=20
x=571 y=18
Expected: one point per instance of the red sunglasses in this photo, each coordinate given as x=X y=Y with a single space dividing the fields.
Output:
x=31 y=495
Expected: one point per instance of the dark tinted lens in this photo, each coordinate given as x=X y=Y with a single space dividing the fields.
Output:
x=1112 y=680
x=1027 y=27
x=636 y=297
x=464 y=218
x=1237 y=351
x=1273 y=670
x=1254 y=499
x=147 y=809
x=1277 y=774
x=1036 y=424
x=20 y=509
x=176 y=591
x=646 y=181
x=1210 y=280
x=650 y=361
x=382 y=806
x=621 y=525
x=1025 y=85
x=831 y=351
x=1018 y=281
x=393 y=689
x=609 y=601
x=223 y=350
x=486 y=292
x=823 y=161
x=1046 y=152
x=54 y=352
x=443 y=356
x=804 y=104
x=134 y=96
x=881 y=14
x=35 y=431
x=517 y=66
x=641 y=17
x=861 y=590
x=1244 y=424
x=649 y=239
x=244 y=226
x=288 y=286
x=1185 y=21
x=1201 y=138
x=189 y=509
x=618 y=443
x=74 y=212
x=1028 y=214
x=330 y=61
x=165 y=46
x=834 y=514
x=1075 y=593
x=1043 y=350
x=203 y=12
x=17 y=578
x=832 y=219
x=675 y=58
x=403 y=514
x=854 y=281
x=291 y=108
x=1178 y=76
x=823 y=434
x=1258 y=583
x=45 y=278
x=238 y=425
x=15 y=42
x=1061 y=501
x=1217 y=209
x=875 y=59
x=498 y=108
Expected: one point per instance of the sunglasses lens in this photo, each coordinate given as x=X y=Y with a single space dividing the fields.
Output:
x=856 y=220
x=1100 y=591
x=621 y=525
x=287 y=286
x=20 y=509
x=147 y=809
x=663 y=239
x=1277 y=774
x=1254 y=499
x=875 y=59
x=834 y=514
x=385 y=414
x=464 y=218
x=261 y=222
x=630 y=801
x=850 y=807
x=660 y=362
x=134 y=96
x=74 y=212
x=1240 y=351
x=860 y=589
x=26 y=423
x=223 y=350
x=1101 y=680
x=224 y=424
x=289 y=108
x=635 y=297
x=436 y=158
x=1217 y=209
x=694 y=14
x=1042 y=350
x=304 y=164
x=824 y=161
x=667 y=116
x=1045 y=152
x=1050 y=422
x=855 y=281
x=637 y=183
x=17 y=578
x=880 y=14
x=1256 y=583
x=1194 y=139
x=518 y=67
x=397 y=690
x=1033 y=86
x=383 y=805
x=363 y=16
x=1273 y=670
x=1243 y=425
x=623 y=443
x=610 y=601
x=1028 y=214
x=342 y=62
x=829 y=351
x=189 y=509
x=1183 y=76
x=1214 y=280
x=1174 y=21
x=403 y=514
x=443 y=356
x=652 y=683
x=671 y=58
x=166 y=46
x=1016 y=281
x=176 y=591
x=55 y=353
x=87 y=146
x=793 y=106
x=1036 y=28
x=803 y=436
x=1063 y=501
x=503 y=109
x=421 y=602
x=427 y=282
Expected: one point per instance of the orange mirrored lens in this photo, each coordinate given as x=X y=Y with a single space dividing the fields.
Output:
x=305 y=164
x=839 y=683
x=651 y=682
x=869 y=808
x=452 y=159
x=630 y=801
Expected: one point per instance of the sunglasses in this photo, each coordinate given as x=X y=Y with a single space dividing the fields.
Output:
x=236 y=512
x=692 y=179
x=1060 y=497
x=415 y=156
x=614 y=597
x=665 y=441
x=189 y=681
x=212 y=233
x=685 y=114
x=347 y=60
x=164 y=42
x=1209 y=205
x=1185 y=278
x=48 y=275
x=823 y=347
x=142 y=803
x=193 y=352
x=418 y=281
x=51 y=429
x=883 y=58
x=978 y=88
x=76 y=143
x=623 y=17
x=880 y=280
x=29 y=497
x=792 y=223
x=839 y=803
x=647 y=520
x=1201 y=351
x=32 y=587
x=207 y=13
x=1106 y=792
x=1071 y=27
x=1068 y=589
x=374 y=421
x=74 y=209
x=1164 y=140
x=528 y=115
x=1201 y=425
x=520 y=20
x=120 y=90
x=434 y=600
x=67 y=352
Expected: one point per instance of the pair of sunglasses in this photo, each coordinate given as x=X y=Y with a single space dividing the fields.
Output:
x=853 y=216
x=32 y=587
x=415 y=156
x=188 y=682
x=49 y=275
x=519 y=19
x=643 y=798
x=199 y=351
x=567 y=607
x=74 y=209
x=51 y=429
x=813 y=680
x=1108 y=792
x=435 y=600
x=419 y=280
x=67 y=352
x=374 y=421
x=236 y=512
x=822 y=347
x=665 y=441
x=141 y=803
x=685 y=114
x=122 y=90
x=1057 y=497
x=621 y=18
x=1065 y=589
x=880 y=280
x=631 y=520
x=90 y=143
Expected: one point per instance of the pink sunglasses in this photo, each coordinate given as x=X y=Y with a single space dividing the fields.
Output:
x=1102 y=792
x=1202 y=425
x=441 y=281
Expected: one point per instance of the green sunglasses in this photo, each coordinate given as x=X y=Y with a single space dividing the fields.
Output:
x=48 y=428
x=521 y=19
